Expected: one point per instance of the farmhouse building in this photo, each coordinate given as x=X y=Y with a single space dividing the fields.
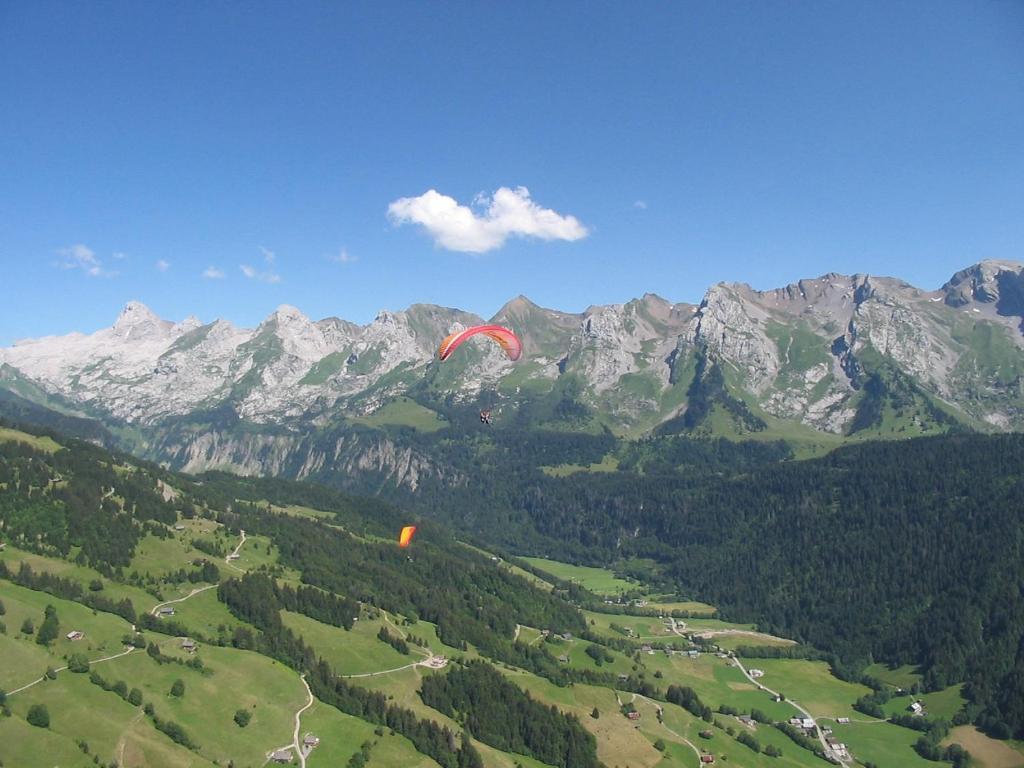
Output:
x=75 y=635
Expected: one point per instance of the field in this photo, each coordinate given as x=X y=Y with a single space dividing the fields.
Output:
x=901 y=677
x=987 y=752
x=600 y=581
x=942 y=704
x=692 y=606
x=607 y=464
x=812 y=685
x=204 y=614
x=341 y=736
x=406 y=413
x=39 y=443
x=885 y=744
x=349 y=653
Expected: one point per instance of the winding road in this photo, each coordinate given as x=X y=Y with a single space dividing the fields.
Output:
x=196 y=591
x=296 y=745
x=821 y=737
x=61 y=669
x=227 y=559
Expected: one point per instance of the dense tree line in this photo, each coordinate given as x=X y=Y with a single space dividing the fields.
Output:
x=687 y=698
x=394 y=641
x=497 y=712
x=323 y=606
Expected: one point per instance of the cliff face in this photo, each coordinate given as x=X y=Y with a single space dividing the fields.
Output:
x=832 y=354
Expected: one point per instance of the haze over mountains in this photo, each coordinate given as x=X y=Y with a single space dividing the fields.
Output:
x=836 y=355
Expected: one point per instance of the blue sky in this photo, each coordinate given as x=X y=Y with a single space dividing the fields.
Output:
x=665 y=147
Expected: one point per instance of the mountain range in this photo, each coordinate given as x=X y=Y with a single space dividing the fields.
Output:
x=827 y=359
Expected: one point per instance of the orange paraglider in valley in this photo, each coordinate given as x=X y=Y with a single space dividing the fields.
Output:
x=406 y=536
x=499 y=333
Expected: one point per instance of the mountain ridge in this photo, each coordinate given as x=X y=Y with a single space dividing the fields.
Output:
x=834 y=355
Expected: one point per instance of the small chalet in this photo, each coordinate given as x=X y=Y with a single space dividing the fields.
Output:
x=843 y=720
x=188 y=644
x=645 y=648
x=755 y=673
x=708 y=759
x=309 y=740
x=623 y=678
x=707 y=733
x=567 y=636
x=564 y=659
x=75 y=635
x=281 y=756
x=916 y=708
x=633 y=715
x=693 y=653
x=167 y=610
x=179 y=527
x=746 y=719
x=807 y=724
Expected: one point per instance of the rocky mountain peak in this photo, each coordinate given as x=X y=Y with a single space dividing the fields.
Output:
x=988 y=282
x=137 y=321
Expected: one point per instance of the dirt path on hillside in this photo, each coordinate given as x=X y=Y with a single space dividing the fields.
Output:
x=194 y=592
x=61 y=669
x=228 y=559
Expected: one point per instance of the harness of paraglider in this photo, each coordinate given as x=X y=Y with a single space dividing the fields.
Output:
x=485 y=417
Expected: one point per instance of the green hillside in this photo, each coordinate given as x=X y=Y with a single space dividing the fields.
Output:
x=318 y=588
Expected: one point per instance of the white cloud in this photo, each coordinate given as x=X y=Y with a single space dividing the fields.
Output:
x=117 y=255
x=342 y=257
x=263 y=277
x=508 y=212
x=268 y=255
x=640 y=205
x=163 y=265
x=212 y=273
x=82 y=257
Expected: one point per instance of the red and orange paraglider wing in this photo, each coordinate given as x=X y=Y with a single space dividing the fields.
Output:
x=406 y=536
x=499 y=333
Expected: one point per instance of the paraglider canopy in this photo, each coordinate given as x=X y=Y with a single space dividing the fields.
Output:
x=405 y=539
x=499 y=333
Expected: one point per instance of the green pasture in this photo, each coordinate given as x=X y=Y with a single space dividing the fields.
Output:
x=46 y=444
x=404 y=412
x=354 y=652
x=881 y=742
x=239 y=680
x=204 y=614
x=609 y=463
x=112 y=727
x=812 y=685
x=600 y=581
x=141 y=599
x=717 y=683
x=900 y=677
x=342 y=735
x=939 y=704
